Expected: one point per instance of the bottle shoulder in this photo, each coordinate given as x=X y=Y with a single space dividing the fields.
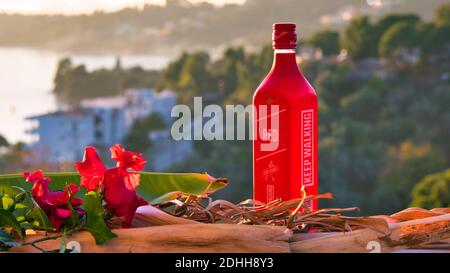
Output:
x=288 y=87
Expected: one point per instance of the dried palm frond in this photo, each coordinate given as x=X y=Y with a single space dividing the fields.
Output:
x=295 y=214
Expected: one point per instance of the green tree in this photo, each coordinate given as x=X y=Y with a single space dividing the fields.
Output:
x=13 y=159
x=170 y=77
x=61 y=79
x=335 y=84
x=372 y=93
x=360 y=38
x=405 y=165
x=195 y=78
x=327 y=40
x=442 y=15
x=436 y=40
x=246 y=86
x=263 y=61
x=402 y=36
x=74 y=83
x=137 y=139
x=433 y=191
x=227 y=74
x=3 y=141
x=389 y=20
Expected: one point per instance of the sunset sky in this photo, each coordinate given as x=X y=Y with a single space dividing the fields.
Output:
x=81 y=6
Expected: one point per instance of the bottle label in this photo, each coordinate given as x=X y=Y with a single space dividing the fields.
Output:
x=307 y=146
x=270 y=194
x=271 y=152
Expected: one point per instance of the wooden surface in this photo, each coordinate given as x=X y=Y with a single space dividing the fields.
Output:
x=156 y=231
x=204 y=238
x=404 y=235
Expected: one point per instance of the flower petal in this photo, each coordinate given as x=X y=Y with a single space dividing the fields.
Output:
x=73 y=189
x=128 y=210
x=34 y=177
x=56 y=221
x=120 y=193
x=91 y=169
x=117 y=192
x=63 y=213
x=40 y=189
x=126 y=159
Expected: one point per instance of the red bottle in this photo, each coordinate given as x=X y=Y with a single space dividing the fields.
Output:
x=285 y=126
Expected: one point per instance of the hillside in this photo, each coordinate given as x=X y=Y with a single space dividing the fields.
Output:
x=180 y=26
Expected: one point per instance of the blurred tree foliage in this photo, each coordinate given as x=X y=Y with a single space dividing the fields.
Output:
x=17 y=158
x=12 y=157
x=360 y=38
x=401 y=36
x=442 y=15
x=74 y=83
x=230 y=159
x=3 y=141
x=389 y=20
x=433 y=191
x=326 y=40
x=137 y=139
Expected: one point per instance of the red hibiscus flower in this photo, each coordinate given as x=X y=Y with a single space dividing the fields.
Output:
x=91 y=169
x=126 y=159
x=54 y=204
x=118 y=184
x=40 y=189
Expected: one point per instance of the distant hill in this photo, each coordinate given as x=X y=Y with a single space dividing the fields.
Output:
x=180 y=26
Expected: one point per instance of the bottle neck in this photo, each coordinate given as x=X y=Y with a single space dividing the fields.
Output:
x=285 y=60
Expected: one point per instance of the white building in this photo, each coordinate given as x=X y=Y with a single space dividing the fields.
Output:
x=63 y=135
x=101 y=122
x=137 y=104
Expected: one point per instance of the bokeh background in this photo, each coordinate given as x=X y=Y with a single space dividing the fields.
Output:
x=77 y=73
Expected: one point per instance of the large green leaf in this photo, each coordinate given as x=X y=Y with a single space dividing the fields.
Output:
x=59 y=180
x=95 y=222
x=153 y=185
x=7 y=219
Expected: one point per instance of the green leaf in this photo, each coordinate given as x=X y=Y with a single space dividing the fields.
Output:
x=9 y=188
x=95 y=222
x=20 y=197
x=31 y=210
x=20 y=206
x=6 y=242
x=156 y=185
x=37 y=217
x=153 y=185
x=7 y=219
x=7 y=202
x=167 y=197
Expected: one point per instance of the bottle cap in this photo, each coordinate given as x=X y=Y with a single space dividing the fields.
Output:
x=284 y=36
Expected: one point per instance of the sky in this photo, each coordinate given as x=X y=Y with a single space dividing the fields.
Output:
x=81 y=6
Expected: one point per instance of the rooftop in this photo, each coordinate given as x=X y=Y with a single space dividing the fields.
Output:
x=77 y=112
